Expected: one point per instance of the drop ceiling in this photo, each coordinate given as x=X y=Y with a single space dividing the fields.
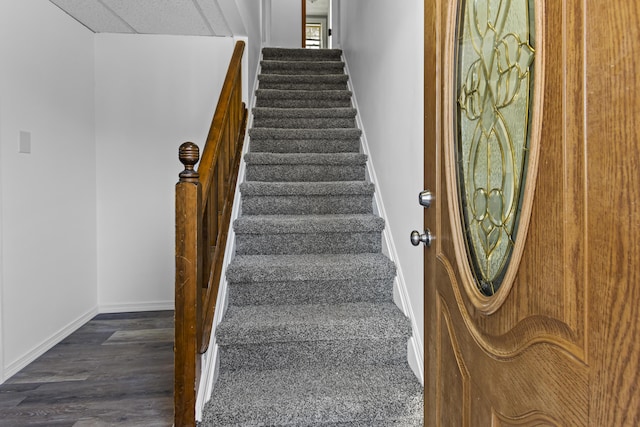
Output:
x=180 y=17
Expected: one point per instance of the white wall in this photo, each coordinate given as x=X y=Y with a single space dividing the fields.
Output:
x=250 y=12
x=48 y=217
x=2 y=344
x=335 y=24
x=383 y=44
x=152 y=94
x=286 y=23
x=243 y=16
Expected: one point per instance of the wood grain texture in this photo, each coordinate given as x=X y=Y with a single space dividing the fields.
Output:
x=432 y=217
x=304 y=23
x=211 y=151
x=188 y=306
x=452 y=378
x=613 y=132
x=486 y=305
x=545 y=378
x=114 y=370
x=540 y=281
x=527 y=360
x=564 y=348
x=552 y=266
x=203 y=203
x=532 y=419
x=224 y=217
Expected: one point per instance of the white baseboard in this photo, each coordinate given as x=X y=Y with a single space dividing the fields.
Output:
x=401 y=294
x=15 y=367
x=137 y=306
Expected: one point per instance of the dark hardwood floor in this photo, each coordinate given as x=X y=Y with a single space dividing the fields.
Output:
x=115 y=370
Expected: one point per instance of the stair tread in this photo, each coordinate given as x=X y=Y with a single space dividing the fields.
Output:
x=310 y=198
x=305 y=134
x=309 y=322
x=310 y=63
x=294 y=224
x=277 y=52
x=302 y=94
x=310 y=267
x=316 y=123
x=258 y=188
x=305 y=158
x=310 y=82
x=368 y=395
x=270 y=112
x=306 y=78
x=304 y=145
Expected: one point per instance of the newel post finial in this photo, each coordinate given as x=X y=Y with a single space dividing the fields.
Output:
x=189 y=154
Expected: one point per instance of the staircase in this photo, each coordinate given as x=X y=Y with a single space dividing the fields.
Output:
x=311 y=336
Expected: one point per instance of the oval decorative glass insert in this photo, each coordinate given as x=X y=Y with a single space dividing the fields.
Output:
x=493 y=88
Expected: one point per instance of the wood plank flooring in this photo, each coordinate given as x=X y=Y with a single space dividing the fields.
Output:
x=115 y=370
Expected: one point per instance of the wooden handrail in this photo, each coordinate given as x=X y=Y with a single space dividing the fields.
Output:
x=204 y=200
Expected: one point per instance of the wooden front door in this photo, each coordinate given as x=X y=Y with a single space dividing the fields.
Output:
x=558 y=342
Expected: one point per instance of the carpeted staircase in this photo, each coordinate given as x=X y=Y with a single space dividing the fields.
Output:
x=311 y=336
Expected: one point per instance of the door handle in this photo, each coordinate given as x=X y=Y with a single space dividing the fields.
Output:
x=425 y=198
x=426 y=238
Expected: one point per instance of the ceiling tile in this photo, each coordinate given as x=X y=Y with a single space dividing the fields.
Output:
x=213 y=13
x=161 y=16
x=93 y=15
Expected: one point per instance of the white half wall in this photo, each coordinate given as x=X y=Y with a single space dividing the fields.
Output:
x=383 y=44
x=286 y=23
x=48 y=202
x=152 y=93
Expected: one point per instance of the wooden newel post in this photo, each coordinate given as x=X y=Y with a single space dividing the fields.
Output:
x=189 y=154
x=188 y=287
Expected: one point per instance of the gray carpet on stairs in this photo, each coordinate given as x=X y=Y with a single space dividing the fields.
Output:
x=311 y=336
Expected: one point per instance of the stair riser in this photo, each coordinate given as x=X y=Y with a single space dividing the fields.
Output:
x=303 y=86
x=301 y=71
x=305 y=173
x=304 y=292
x=307 y=354
x=319 y=135
x=304 y=146
x=307 y=243
x=304 y=123
x=295 y=69
x=307 y=58
x=314 y=205
x=303 y=103
x=318 y=55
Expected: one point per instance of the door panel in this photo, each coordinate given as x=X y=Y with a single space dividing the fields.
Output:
x=563 y=347
x=527 y=362
x=552 y=266
x=451 y=373
x=613 y=223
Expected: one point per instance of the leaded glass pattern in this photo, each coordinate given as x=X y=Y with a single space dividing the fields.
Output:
x=494 y=86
